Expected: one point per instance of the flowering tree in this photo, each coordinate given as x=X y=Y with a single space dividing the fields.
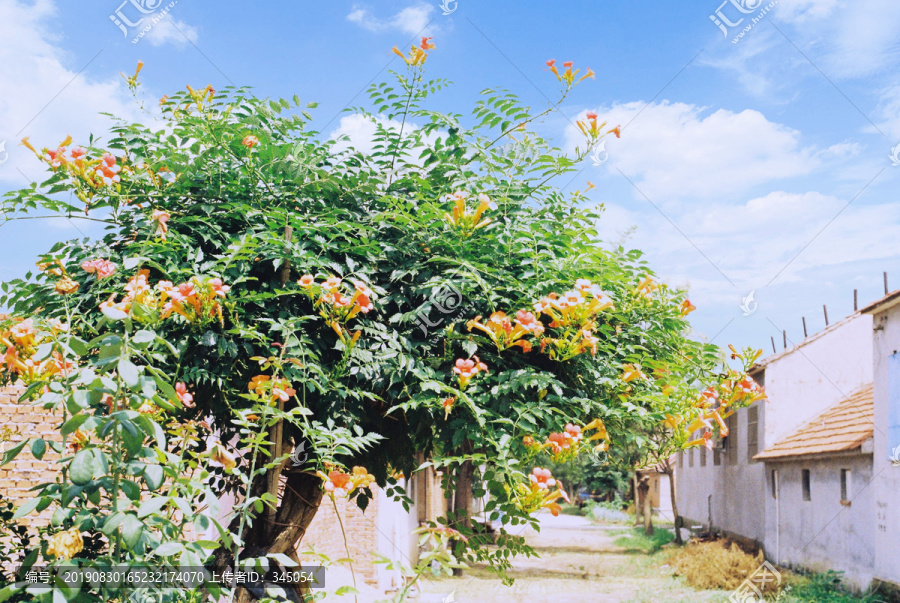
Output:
x=260 y=289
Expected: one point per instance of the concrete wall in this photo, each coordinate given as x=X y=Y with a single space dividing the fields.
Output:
x=732 y=491
x=822 y=533
x=887 y=484
x=800 y=383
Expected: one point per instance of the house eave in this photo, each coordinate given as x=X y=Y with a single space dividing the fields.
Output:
x=813 y=456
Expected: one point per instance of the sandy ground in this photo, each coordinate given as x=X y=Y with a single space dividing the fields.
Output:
x=578 y=563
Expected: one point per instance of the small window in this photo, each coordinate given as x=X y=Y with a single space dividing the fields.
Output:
x=845 y=485
x=703 y=456
x=681 y=458
x=806 y=492
x=752 y=432
x=691 y=457
x=774 y=483
x=717 y=457
x=731 y=442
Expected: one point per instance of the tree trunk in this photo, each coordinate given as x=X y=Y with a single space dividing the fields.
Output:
x=462 y=500
x=670 y=471
x=635 y=485
x=296 y=510
x=647 y=506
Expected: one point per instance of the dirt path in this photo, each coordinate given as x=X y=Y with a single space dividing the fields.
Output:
x=578 y=562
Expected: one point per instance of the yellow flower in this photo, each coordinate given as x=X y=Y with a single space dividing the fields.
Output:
x=218 y=454
x=630 y=372
x=65 y=545
x=66 y=285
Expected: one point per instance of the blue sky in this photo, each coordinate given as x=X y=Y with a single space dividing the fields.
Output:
x=760 y=163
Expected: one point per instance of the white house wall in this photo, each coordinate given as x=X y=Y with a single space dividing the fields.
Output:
x=736 y=490
x=821 y=533
x=887 y=482
x=800 y=383
x=818 y=373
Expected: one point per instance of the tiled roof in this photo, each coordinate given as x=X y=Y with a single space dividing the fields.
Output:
x=889 y=300
x=841 y=428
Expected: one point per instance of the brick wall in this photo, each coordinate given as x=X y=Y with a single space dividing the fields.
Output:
x=27 y=421
x=324 y=534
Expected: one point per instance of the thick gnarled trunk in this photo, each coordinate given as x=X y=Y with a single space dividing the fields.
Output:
x=297 y=507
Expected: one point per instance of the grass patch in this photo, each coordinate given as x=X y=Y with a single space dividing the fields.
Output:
x=822 y=588
x=567 y=509
x=636 y=541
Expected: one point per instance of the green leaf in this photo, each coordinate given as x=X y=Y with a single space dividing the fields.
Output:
x=27 y=508
x=168 y=549
x=112 y=523
x=143 y=337
x=129 y=372
x=38 y=447
x=72 y=425
x=8 y=591
x=149 y=507
x=132 y=528
x=12 y=452
x=83 y=466
x=154 y=475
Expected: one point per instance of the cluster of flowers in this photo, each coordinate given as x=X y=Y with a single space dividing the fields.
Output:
x=89 y=174
x=65 y=284
x=22 y=339
x=715 y=404
x=270 y=389
x=566 y=445
x=465 y=370
x=506 y=333
x=340 y=484
x=197 y=300
x=65 y=544
x=462 y=220
x=541 y=492
x=200 y=97
x=593 y=130
x=574 y=312
x=417 y=54
x=568 y=76
x=336 y=306
x=102 y=268
x=647 y=287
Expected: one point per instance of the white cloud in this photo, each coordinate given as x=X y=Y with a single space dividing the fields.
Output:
x=412 y=20
x=754 y=241
x=361 y=131
x=677 y=150
x=45 y=97
x=171 y=31
x=851 y=39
